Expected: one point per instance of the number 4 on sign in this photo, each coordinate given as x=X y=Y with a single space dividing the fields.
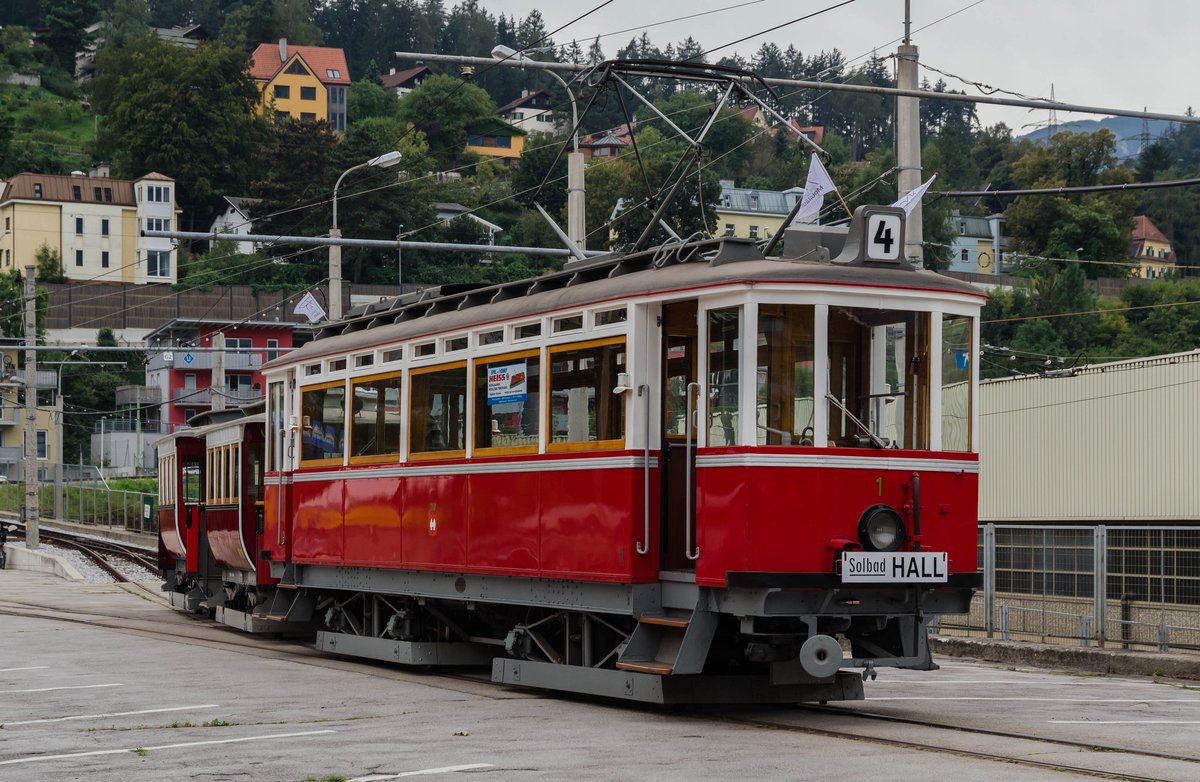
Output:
x=883 y=237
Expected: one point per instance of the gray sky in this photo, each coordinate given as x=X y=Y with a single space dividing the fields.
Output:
x=1096 y=52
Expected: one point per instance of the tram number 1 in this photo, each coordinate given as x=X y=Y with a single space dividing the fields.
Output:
x=879 y=485
x=883 y=232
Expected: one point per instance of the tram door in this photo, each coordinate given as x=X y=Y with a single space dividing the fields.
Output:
x=678 y=489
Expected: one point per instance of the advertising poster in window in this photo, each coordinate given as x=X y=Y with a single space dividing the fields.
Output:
x=507 y=383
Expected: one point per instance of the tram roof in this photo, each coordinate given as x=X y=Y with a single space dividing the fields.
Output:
x=609 y=278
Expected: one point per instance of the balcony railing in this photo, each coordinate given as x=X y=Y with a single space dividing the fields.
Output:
x=132 y=395
x=192 y=396
x=182 y=359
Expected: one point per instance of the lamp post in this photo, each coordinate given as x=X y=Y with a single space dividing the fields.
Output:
x=576 y=223
x=386 y=160
x=100 y=468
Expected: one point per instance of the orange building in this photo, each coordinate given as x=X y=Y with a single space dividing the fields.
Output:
x=303 y=82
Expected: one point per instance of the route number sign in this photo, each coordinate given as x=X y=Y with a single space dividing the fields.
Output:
x=883 y=237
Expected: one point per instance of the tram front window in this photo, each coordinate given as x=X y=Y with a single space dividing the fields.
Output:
x=785 y=375
x=878 y=378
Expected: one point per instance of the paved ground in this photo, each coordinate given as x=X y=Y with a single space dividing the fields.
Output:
x=156 y=695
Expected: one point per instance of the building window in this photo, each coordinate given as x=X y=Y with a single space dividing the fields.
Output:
x=77 y=192
x=297 y=69
x=37 y=189
x=104 y=227
x=754 y=201
x=965 y=255
x=324 y=410
x=584 y=412
x=474 y=140
x=375 y=430
x=43 y=444
x=333 y=73
x=96 y=193
x=79 y=226
x=437 y=419
x=962 y=227
x=729 y=229
x=1150 y=251
x=108 y=195
x=337 y=95
x=104 y=259
x=283 y=91
x=754 y=232
x=158 y=263
x=272 y=349
x=281 y=115
x=308 y=93
x=79 y=257
x=308 y=116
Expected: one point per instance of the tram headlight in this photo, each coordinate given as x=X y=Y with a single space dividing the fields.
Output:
x=881 y=529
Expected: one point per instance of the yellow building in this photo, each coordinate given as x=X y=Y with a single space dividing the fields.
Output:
x=753 y=214
x=93 y=222
x=307 y=83
x=12 y=410
x=496 y=139
x=1151 y=250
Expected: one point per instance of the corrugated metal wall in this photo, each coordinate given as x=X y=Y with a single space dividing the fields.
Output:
x=1115 y=442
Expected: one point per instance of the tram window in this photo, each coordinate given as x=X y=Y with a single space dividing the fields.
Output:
x=507 y=399
x=724 y=348
x=191 y=481
x=879 y=373
x=609 y=317
x=312 y=369
x=254 y=473
x=438 y=416
x=569 y=323
x=527 y=331
x=456 y=343
x=423 y=351
x=277 y=429
x=376 y=428
x=584 y=412
x=956 y=383
x=324 y=411
x=491 y=337
x=393 y=355
x=337 y=365
x=365 y=360
x=785 y=375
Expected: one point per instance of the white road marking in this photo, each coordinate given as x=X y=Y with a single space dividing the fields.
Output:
x=71 y=687
x=421 y=773
x=1125 y=722
x=40 y=758
x=26 y=668
x=1193 y=701
x=110 y=714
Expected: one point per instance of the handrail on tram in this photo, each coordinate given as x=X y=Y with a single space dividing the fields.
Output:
x=690 y=461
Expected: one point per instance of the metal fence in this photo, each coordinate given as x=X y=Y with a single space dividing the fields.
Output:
x=1108 y=586
x=86 y=502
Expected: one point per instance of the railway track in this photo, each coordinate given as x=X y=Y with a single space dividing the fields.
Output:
x=98 y=552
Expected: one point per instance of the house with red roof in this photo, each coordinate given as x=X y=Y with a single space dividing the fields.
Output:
x=1151 y=250
x=405 y=81
x=307 y=83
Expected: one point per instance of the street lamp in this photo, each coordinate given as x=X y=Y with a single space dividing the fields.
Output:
x=386 y=160
x=576 y=225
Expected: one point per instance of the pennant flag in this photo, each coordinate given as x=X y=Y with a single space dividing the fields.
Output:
x=310 y=308
x=818 y=184
x=909 y=200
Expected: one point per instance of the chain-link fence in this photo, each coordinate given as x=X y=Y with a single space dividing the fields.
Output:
x=1111 y=586
x=86 y=502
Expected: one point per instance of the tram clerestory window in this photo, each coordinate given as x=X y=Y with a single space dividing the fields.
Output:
x=584 y=411
x=784 y=385
x=439 y=411
x=724 y=349
x=324 y=410
x=878 y=378
x=376 y=427
x=507 y=399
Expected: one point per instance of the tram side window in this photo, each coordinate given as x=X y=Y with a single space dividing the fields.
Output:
x=438 y=416
x=879 y=375
x=583 y=409
x=278 y=429
x=956 y=383
x=786 y=381
x=376 y=429
x=507 y=402
x=724 y=349
x=324 y=409
x=191 y=481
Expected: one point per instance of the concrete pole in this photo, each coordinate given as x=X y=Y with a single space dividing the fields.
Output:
x=32 y=512
x=335 y=273
x=908 y=142
x=218 y=371
x=137 y=419
x=60 y=512
x=576 y=220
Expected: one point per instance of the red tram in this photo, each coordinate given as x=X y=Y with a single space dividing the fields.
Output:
x=689 y=474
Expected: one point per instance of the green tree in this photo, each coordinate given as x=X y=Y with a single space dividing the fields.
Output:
x=189 y=114
x=65 y=34
x=541 y=152
x=49 y=264
x=368 y=99
x=441 y=108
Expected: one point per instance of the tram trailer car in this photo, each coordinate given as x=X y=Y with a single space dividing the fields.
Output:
x=688 y=475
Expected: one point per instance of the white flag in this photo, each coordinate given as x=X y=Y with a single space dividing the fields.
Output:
x=909 y=200
x=310 y=308
x=815 y=188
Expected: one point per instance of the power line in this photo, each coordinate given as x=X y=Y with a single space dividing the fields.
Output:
x=1064 y=190
x=1163 y=305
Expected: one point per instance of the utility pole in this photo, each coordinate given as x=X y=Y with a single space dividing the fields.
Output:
x=335 y=271
x=908 y=139
x=32 y=512
x=217 y=389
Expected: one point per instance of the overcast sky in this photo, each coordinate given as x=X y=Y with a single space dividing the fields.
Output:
x=1096 y=52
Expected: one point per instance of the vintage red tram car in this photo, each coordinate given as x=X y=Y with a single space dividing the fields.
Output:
x=690 y=474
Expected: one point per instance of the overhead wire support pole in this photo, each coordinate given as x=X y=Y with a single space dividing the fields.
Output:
x=32 y=511
x=954 y=97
